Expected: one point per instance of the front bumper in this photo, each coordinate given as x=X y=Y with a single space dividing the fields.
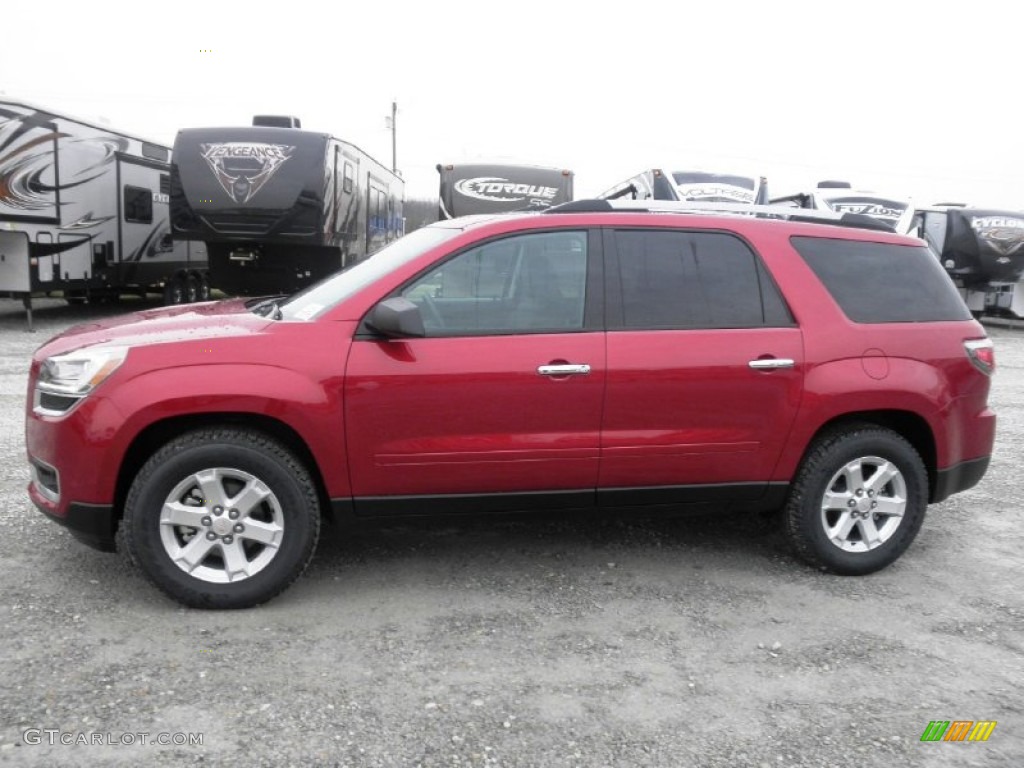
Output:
x=92 y=524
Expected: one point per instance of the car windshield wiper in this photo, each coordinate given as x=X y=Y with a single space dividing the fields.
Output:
x=269 y=307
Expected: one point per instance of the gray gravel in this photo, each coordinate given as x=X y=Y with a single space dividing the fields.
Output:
x=558 y=641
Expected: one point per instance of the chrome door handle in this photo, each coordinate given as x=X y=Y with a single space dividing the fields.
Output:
x=771 y=363
x=563 y=370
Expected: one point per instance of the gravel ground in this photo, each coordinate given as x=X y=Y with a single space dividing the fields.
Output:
x=568 y=641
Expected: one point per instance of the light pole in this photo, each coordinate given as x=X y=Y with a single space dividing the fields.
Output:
x=393 y=125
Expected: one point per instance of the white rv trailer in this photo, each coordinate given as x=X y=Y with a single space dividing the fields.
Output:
x=840 y=197
x=84 y=210
x=689 y=185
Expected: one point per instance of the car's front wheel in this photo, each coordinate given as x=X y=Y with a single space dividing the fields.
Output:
x=858 y=500
x=222 y=518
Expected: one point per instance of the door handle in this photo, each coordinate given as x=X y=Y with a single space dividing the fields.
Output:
x=771 y=363
x=563 y=370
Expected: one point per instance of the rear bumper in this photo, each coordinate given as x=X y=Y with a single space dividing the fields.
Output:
x=959 y=477
x=92 y=524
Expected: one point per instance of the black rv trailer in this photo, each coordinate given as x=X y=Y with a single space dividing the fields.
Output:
x=487 y=188
x=84 y=211
x=280 y=207
x=983 y=251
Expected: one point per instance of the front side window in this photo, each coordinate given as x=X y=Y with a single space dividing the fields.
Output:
x=331 y=291
x=524 y=283
x=678 y=280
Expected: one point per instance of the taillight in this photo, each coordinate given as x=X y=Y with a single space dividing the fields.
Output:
x=982 y=353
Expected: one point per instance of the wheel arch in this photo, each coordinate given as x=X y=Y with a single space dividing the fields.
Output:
x=911 y=426
x=157 y=434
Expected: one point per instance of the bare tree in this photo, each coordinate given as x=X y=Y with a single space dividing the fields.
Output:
x=419 y=213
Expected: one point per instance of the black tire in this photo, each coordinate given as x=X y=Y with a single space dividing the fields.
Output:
x=204 y=288
x=175 y=291
x=291 y=506
x=191 y=289
x=827 y=468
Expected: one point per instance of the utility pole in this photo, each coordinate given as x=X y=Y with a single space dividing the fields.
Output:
x=394 y=135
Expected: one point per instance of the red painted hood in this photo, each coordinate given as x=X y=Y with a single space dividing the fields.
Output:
x=190 y=322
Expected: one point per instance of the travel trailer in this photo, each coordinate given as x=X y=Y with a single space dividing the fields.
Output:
x=480 y=188
x=279 y=207
x=84 y=210
x=694 y=186
x=840 y=197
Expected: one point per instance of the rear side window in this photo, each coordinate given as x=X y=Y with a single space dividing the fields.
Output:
x=672 y=279
x=883 y=283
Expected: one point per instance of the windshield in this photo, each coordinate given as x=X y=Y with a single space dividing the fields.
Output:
x=319 y=297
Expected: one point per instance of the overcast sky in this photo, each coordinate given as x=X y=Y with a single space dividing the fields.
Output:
x=907 y=98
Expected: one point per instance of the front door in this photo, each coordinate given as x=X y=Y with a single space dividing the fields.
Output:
x=501 y=400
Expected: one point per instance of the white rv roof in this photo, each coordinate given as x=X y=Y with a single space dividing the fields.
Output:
x=91 y=123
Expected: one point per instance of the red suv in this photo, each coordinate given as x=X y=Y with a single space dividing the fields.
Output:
x=586 y=356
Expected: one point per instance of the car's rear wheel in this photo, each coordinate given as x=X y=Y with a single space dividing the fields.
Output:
x=858 y=500
x=222 y=518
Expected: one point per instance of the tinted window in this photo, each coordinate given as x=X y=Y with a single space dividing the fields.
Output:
x=138 y=205
x=525 y=283
x=881 y=283
x=694 y=280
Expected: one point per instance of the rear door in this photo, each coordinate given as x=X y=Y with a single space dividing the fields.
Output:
x=705 y=369
x=502 y=398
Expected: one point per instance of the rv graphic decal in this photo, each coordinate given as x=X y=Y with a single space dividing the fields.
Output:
x=501 y=190
x=243 y=167
x=716 y=192
x=885 y=211
x=87 y=221
x=1003 y=234
x=23 y=166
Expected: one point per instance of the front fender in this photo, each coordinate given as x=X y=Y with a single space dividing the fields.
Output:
x=312 y=409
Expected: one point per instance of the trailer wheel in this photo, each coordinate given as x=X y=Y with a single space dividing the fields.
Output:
x=191 y=289
x=174 y=291
x=204 y=288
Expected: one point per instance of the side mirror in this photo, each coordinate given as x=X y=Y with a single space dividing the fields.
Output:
x=396 y=318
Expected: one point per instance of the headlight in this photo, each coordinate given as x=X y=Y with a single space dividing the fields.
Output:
x=66 y=379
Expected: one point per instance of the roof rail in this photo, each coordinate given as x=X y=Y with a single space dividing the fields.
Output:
x=789 y=213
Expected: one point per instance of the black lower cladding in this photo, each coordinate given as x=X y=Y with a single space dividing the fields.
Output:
x=92 y=524
x=959 y=477
x=754 y=497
